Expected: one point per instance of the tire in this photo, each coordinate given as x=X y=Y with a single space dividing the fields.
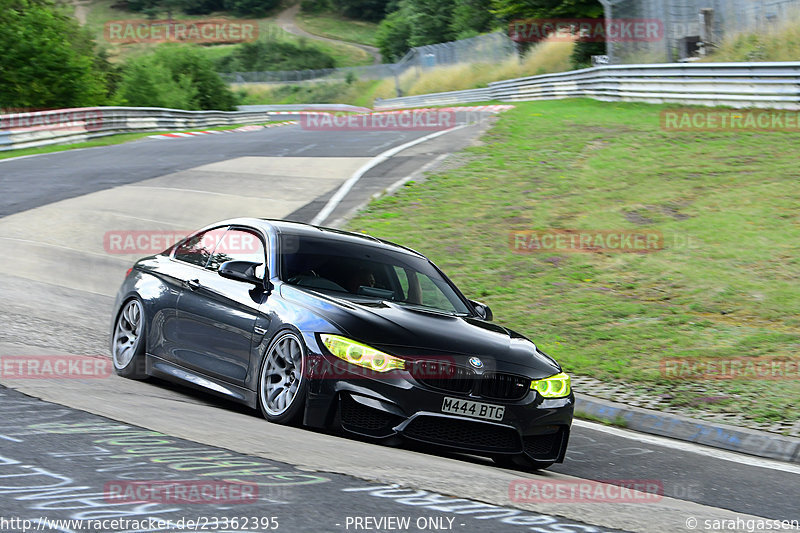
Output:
x=128 y=340
x=521 y=461
x=282 y=383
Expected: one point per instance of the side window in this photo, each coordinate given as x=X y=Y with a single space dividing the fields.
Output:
x=198 y=248
x=238 y=245
x=402 y=277
x=432 y=295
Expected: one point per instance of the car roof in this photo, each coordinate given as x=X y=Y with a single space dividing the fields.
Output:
x=287 y=227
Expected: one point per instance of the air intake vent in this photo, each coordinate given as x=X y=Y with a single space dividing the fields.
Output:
x=463 y=434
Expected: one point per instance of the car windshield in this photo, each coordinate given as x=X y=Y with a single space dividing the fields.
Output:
x=366 y=271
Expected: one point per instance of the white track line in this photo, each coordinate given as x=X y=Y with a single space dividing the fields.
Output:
x=691 y=447
x=372 y=163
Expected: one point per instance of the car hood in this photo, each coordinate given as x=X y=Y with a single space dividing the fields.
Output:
x=412 y=332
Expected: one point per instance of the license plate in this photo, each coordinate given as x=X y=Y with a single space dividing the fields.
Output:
x=455 y=406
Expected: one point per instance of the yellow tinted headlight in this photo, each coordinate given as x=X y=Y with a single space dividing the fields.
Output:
x=360 y=354
x=558 y=386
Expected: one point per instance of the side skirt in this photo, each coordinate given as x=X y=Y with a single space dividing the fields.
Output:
x=159 y=368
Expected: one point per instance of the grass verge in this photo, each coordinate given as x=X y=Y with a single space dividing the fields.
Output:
x=338 y=27
x=102 y=11
x=618 y=421
x=545 y=58
x=779 y=42
x=724 y=286
x=360 y=93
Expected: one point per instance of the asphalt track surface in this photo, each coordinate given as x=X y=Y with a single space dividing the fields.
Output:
x=63 y=464
x=56 y=295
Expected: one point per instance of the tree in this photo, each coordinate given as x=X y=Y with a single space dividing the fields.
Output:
x=315 y=6
x=510 y=10
x=471 y=17
x=242 y=8
x=139 y=5
x=393 y=36
x=515 y=9
x=171 y=7
x=584 y=50
x=147 y=83
x=250 y=8
x=201 y=7
x=274 y=55
x=371 y=10
x=430 y=21
x=48 y=60
x=174 y=76
x=422 y=22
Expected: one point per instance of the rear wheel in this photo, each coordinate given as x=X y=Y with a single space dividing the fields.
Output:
x=282 y=384
x=521 y=461
x=128 y=343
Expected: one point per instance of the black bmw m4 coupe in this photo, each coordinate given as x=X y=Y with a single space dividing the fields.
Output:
x=342 y=331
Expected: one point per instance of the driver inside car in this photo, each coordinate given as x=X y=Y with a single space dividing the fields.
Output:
x=363 y=277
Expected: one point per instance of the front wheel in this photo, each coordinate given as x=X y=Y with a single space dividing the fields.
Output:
x=128 y=342
x=282 y=384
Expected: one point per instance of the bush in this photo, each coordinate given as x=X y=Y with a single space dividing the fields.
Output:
x=471 y=17
x=584 y=50
x=370 y=10
x=780 y=42
x=241 y=8
x=174 y=76
x=431 y=21
x=250 y=8
x=202 y=7
x=357 y=93
x=314 y=6
x=274 y=55
x=421 y=22
x=48 y=60
x=393 y=36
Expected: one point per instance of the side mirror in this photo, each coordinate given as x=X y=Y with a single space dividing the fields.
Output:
x=483 y=310
x=244 y=271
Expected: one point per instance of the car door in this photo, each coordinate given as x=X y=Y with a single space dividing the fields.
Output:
x=183 y=264
x=216 y=316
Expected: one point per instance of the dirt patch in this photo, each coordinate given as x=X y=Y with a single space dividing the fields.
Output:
x=637 y=218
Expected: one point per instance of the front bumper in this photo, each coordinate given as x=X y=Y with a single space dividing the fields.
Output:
x=396 y=404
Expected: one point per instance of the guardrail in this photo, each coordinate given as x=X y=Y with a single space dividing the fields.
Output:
x=40 y=128
x=764 y=85
x=453 y=97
